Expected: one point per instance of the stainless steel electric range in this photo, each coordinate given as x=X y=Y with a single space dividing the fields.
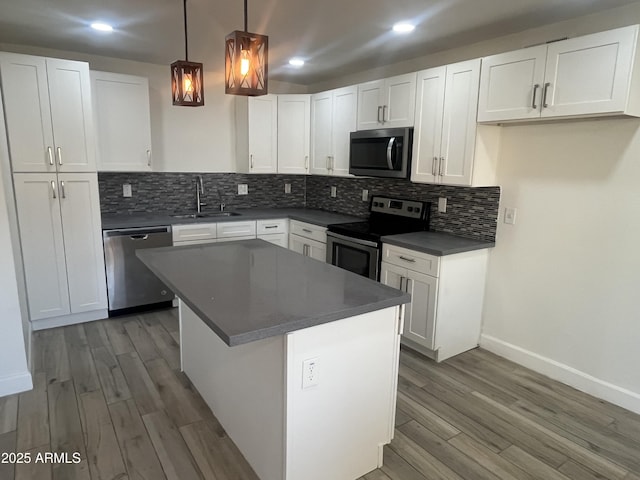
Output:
x=357 y=246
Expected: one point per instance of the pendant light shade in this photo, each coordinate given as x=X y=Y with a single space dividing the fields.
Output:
x=187 y=79
x=246 y=62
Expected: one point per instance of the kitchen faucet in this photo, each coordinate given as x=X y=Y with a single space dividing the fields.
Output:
x=199 y=193
x=222 y=204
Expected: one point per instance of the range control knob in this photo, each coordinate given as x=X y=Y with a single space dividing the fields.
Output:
x=417 y=209
x=409 y=209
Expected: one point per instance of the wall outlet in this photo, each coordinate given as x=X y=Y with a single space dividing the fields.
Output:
x=126 y=190
x=442 y=205
x=365 y=195
x=243 y=189
x=310 y=374
x=287 y=188
x=334 y=192
x=510 y=215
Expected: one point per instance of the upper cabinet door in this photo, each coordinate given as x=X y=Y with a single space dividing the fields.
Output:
x=26 y=100
x=459 y=123
x=427 y=136
x=370 y=102
x=43 y=251
x=80 y=208
x=511 y=85
x=263 y=138
x=321 y=132
x=122 y=119
x=345 y=108
x=590 y=74
x=72 y=119
x=399 y=106
x=293 y=133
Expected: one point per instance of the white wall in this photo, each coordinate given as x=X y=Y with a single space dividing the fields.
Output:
x=184 y=139
x=562 y=283
x=15 y=339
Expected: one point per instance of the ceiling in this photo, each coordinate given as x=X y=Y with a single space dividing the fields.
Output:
x=342 y=36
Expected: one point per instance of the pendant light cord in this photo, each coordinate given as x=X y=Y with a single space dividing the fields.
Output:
x=186 y=41
x=246 y=21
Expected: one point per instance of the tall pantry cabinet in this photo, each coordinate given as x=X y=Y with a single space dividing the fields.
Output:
x=52 y=153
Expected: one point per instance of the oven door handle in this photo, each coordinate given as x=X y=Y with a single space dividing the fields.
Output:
x=390 y=161
x=358 y=241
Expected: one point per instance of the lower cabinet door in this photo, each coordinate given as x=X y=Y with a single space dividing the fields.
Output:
x=420 y=316
x=391 y=275
x=80 y=206
x=307 y=247
x=281 y=239
x=43 y=250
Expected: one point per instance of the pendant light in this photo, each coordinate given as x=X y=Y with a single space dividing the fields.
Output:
x=187 y=86
x=246 y=62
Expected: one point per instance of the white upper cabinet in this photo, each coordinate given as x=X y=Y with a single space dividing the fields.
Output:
x=48 y=109
x=257 y=134
x=448 y=146
x=388 y=103
x=333 y=118
x=123 y=123
x=593 y=75
x=294 y=117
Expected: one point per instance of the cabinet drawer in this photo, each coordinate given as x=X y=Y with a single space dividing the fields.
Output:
x=269 y=227
x=196 y=231
x=237 y=229
x=308 y=230
x=281 y=239
x=235 y=239
x=416 y=261
x=202 y=241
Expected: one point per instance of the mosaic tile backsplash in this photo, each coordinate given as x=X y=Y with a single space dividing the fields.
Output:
x=471 y=212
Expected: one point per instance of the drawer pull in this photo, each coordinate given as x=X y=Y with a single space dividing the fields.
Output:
x=271 y=226
x=406 y=259
x=306 y=230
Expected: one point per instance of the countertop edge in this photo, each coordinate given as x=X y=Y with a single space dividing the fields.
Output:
x=437 y=252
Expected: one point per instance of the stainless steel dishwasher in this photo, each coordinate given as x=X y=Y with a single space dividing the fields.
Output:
x=129 y=282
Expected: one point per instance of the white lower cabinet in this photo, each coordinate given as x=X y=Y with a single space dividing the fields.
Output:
x=274 y=231
x=445 y=314
x=308 y=240
x=60 y=229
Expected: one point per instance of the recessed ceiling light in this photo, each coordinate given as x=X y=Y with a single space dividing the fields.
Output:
x=296 y=62
x=403 y=27
x=102 y=27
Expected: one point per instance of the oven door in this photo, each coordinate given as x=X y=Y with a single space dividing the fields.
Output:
x=357 y=256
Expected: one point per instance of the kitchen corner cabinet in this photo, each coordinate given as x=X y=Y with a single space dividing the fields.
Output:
x=444 y=317
x=48 y=110
x=60 y=230
x=593 y=75
x=123 y=124
x=388 y=103
x=257 y=134
x=294 y=117
x=448 y=147
x=333 y=118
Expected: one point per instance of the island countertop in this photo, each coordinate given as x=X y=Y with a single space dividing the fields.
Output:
x=250 y=290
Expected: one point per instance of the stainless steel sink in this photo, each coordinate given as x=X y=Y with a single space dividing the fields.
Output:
x=207 y=215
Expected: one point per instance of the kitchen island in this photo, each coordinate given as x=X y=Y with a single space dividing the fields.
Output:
x=298 y=359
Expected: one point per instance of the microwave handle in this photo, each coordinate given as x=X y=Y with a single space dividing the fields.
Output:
x=390 y=161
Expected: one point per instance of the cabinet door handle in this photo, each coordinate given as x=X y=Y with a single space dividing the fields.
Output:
x=53 y=189
x=384 y=113
x=62 y=192
x=535 y=91
x=406 y=285
x=148 y=158
x=59 y=150
x=331 y=162
x=379 y=109
x=401 y=280
x=50 y=155
x=441 y=165
x=544 y=95
x=407 y=259
x=305 y=250
x=251 y=161
x=434 y=166
x=306 y=162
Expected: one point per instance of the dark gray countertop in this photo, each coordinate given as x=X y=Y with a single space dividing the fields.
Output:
x=249 y=290
x=436 y=243
x=316 y=217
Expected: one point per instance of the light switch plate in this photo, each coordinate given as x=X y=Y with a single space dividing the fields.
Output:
x=442 y=205
x=510 y=215
x=126 y=190
x=287 y=188
x=334 y=192
x=365 y=195
x=243 y=189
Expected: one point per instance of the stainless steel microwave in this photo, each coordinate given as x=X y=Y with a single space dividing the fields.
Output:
x=385 y=152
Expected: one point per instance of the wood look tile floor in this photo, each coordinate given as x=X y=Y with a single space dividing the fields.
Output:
x=112 y=391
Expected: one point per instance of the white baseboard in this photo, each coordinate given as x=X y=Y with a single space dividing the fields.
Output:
x=563 y=373
x=69 y=319
x=15 y=384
